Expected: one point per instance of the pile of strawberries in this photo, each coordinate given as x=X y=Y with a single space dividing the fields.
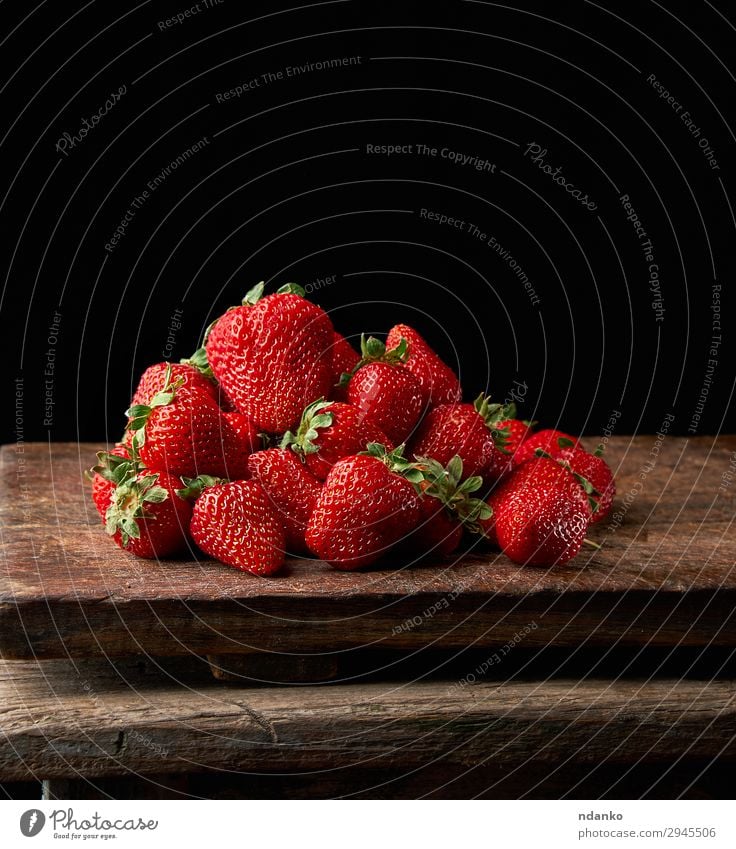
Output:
x=277 y=437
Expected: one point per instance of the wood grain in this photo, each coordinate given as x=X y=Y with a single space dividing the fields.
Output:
x=666 y=575
x=95 y=718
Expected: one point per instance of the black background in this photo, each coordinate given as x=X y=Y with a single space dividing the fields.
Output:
x=284 y=189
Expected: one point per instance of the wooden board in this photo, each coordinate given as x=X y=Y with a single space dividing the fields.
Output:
x=666 y=575
x=95 y=718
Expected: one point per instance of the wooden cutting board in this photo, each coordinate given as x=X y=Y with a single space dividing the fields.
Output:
x=665 y=575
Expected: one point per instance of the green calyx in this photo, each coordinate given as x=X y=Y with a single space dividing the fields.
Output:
x=372 y=350
x=128 y=505
x=291 y=289
x=313 y=418
x=193 y=487
x=139 y=414
x=199 y=358
x=396 y=462
x=588 y=488
x=114 y=468
x=255 y=294
x=493 y=415
x=446 y=485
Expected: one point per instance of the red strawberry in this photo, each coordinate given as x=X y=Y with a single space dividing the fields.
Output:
x=236 y=524
x=154 y=379
x=364 y=508
x=184 y=432
x=594 y=469
x=145 y=515
x=552 y=442
x=385 y=390
x=344 y=359
x=514 y=433
x=447 y=507
x=112 y=467
x=268 y=356
x=438 y=381
x=468 y=430
x=291 y=488
x=540 y=514
x=329 y=431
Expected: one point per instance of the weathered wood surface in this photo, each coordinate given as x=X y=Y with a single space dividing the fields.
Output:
x=95 y=718
x=666 y=575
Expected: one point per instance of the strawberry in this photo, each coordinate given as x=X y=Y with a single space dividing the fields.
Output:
x=236 y=524
x=438 y=382
x=468 y=430
x=154 y=379
x=447 y=507
x=367 y=504
x=268 y=356
x=594 y=469
x=514 y=432
x=184 y=432
x=329 y=431
x=144 y=514
x=540 y=514
x=291 y=488
x=385 y=390
x=552 y=442
x=344 y=359
x=112 y=467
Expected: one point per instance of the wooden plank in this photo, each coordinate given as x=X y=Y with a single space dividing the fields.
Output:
x=666 y=575
x=91 y=718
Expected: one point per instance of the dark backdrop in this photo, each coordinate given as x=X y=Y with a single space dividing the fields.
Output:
x=606 y=325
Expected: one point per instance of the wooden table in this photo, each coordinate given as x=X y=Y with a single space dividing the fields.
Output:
x=453 y=678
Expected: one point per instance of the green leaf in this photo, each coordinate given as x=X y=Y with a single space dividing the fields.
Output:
x=199 y=358
x=156 y=494
x=193 y=487
x=313 y=418
x=291 y=289
x=253 y=295
x=455 y=469
x=564 y=442
x=600 y=450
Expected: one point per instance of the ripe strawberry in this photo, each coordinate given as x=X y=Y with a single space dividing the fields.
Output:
x=438 y=381
x=468 y=430
x=268 y=356
x=366 y=505
x=291 y=488
x=144 y=514
x=112 y=467
x=154 y=379
x=540 y=514
x=514 y=432
x=236 y=524
x=184 y=432
x=329 y=431
x=385 y=390
x=552 y=442
x=594 y=469
x=447 y=507
x=344 y=359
